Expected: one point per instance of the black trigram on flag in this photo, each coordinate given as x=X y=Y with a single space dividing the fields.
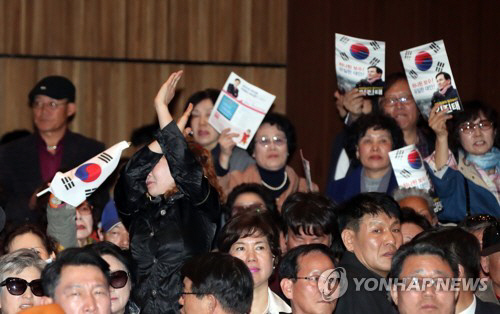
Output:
x=344 y=56
x=105 y=157
x=408 y=54
x=375 y=61
x=344 y=39
x=68 y=183
x=89 y=191
x=434 y=47
x=399 y=154
x=405 y=173
x=439 y=66
x=375 y=45
x=413 y=74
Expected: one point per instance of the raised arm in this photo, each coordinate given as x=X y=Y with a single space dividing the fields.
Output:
x=437 y=121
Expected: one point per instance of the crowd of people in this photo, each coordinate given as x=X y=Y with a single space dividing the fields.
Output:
x=193 y=224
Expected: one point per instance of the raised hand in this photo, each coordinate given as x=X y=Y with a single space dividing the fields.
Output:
x=226 y=147
x=163 y=98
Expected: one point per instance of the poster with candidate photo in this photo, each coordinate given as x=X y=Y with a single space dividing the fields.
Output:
x=240 y=107
x=431 y=80
x=360 y=63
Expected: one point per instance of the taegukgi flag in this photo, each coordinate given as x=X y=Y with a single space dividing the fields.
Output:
x=74 y=186
x=409 y=168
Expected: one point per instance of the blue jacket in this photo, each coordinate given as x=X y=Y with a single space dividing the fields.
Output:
x=344 y=189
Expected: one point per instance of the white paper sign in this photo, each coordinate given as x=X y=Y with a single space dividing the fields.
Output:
x=409 y=169
x=360 y=63
x=241 y=107
x=429 y=75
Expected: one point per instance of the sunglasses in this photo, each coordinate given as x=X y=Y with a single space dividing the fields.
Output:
x=119 y=279
x=17 y=286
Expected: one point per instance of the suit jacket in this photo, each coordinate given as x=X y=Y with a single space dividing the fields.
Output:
x=486 y=307
x=20 y=172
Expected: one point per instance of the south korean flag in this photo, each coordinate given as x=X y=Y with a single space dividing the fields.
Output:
x=74 y=186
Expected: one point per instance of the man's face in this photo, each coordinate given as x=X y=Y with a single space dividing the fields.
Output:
x=372 y=73
x=294 y=240
x=376 y=241
x=442 y=82
x=493 y=270
x=304 y=294
x=192 y=304
x=420 y=206
x=83 y=289
x=428 y=299
x=49 y=114
x=405 y=114
x=118 y=235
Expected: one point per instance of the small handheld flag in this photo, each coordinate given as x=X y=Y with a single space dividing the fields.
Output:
x=74 y=186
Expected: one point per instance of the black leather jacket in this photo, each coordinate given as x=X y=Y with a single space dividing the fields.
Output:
x=164 y=232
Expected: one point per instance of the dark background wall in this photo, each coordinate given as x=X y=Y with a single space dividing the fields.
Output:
x=470 y=30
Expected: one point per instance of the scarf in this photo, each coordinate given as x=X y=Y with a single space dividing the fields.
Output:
x=487 y=161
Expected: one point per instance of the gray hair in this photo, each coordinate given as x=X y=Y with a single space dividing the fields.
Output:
x=17 y=261
x=402 y=193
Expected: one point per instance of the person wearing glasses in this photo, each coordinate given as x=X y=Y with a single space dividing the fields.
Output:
x=20 y=284
x=465 y=168
x=370 y=140
x=121 y=284
x=253 y=237
x=300 y=272
x=272 y=147
x=398 y=103
x=28 y=162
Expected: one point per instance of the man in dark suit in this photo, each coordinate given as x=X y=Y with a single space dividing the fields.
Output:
x=27 y=163
x=445 y=89
x=233 y=88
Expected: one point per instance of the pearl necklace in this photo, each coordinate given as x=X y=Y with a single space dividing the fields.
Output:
x=272 y=188
x=51 y=147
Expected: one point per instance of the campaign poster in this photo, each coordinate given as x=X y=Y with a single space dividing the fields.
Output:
x=431 y=80
x=409 y=168
x=360 y=63
x=241 y=107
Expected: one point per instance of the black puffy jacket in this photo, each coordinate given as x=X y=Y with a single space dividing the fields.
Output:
x=164 y=232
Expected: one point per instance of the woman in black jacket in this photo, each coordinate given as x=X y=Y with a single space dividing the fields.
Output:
x=167 y=198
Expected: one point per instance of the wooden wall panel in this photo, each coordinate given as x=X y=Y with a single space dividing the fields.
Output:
x=195 y=30
x=115 y=97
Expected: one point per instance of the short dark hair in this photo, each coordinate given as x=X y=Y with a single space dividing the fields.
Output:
x=309 y=212
x=144 y=134
x=289 y=266
x=283 y=124
x=124 y=256
x=255 y=188
x=373 y=203
x=377 y=121
x=472 y=111
x=51 y=274
x=421 y=248
x=392 y=79
x=379 y=70
x=446 y=75
x=246 y=225
x=225 y=277
x=48 y=242
x=409 y=215
x=463 y=247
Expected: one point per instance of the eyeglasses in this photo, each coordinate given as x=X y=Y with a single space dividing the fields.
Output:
x=17 y=286
x=469 y=127
x=52 y=106
x=119 y=279
x=266 y=141
x=391 y=102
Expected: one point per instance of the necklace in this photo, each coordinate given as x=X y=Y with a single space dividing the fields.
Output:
x=51 y=147
x=272 y=188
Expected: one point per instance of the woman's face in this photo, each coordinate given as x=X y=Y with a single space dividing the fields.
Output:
x=271 y=150
x=159 y=180
x=29 y=241
x=119 y=297
x=480 y=141
x=373 y=149
x=256 y=253
x=203 y=133
x=11 y=304
x=84 y=221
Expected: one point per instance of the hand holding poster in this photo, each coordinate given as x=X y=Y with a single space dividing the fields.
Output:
x=74 y=186
x=360 y=64
x=429 y=76
x=409 y=169
x=241 y=107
